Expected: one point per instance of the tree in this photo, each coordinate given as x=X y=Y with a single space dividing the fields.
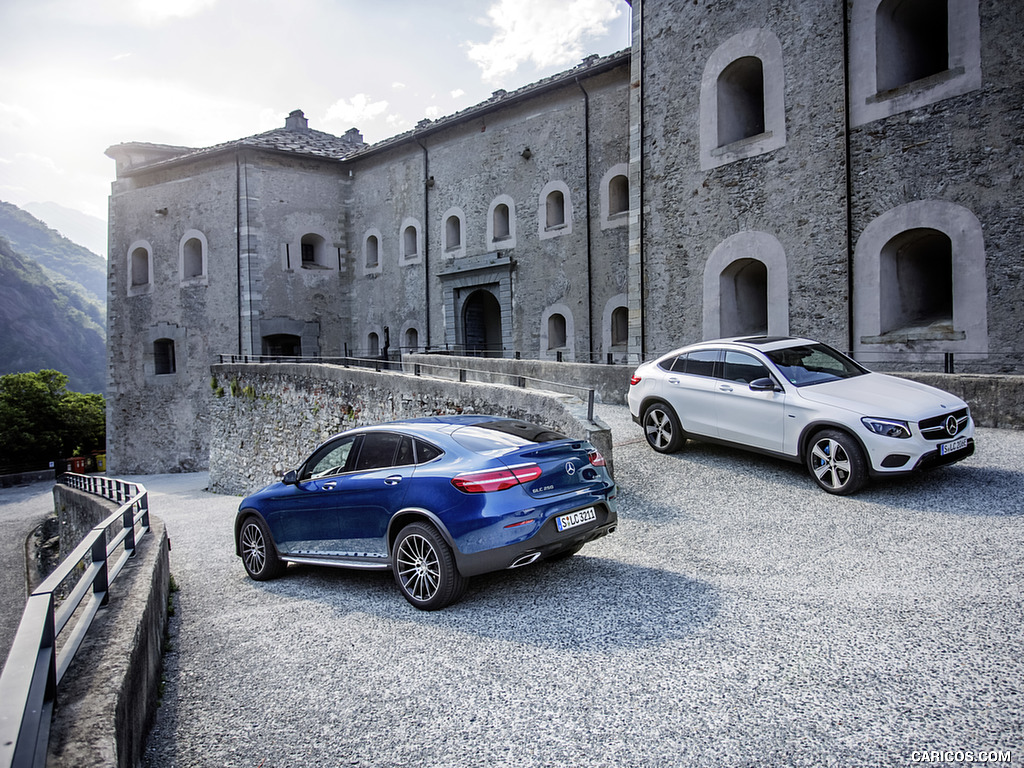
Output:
x=41 y=421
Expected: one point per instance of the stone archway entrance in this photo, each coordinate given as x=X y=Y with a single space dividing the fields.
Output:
x=481 y=324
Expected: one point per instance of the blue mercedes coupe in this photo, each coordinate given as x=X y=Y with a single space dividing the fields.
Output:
x=436 y=500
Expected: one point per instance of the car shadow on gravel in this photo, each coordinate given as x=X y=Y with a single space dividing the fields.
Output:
x=959 y=489
x=581 y=603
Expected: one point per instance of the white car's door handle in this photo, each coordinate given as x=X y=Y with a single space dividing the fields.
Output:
x=725 y=388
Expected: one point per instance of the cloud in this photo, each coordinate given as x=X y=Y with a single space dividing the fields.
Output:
x=352 y=112
x=539 y=31
x=398 y=86
x=458 y=93
x=14 y=118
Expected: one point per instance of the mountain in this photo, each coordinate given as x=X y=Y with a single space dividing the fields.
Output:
x=78 y=227
x=30 y=237
x=48 y=317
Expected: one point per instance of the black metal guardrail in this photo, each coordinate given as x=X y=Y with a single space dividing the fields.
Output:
x=37 y=661
x=455 y=373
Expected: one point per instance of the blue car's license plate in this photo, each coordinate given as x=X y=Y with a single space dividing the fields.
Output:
x=579 y=517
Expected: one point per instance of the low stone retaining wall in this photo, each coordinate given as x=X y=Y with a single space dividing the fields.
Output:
x=609 y=382
x=108 y=697
x=267 y=418
x=24 y=478
x=996 y=401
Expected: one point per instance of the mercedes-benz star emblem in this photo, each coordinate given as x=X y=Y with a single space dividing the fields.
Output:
x=951 y=425
x=570 y=468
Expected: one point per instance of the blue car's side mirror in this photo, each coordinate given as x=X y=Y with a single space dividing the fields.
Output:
x=291 y=477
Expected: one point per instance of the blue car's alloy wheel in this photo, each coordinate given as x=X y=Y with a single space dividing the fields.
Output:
x=259 y=556
x=425 y=569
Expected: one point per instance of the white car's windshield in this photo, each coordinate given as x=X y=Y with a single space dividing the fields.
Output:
x=813 y=364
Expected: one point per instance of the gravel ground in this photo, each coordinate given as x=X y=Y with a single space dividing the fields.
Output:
x=738 y=617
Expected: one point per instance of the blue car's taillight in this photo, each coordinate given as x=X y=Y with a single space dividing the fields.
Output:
x=495 y=479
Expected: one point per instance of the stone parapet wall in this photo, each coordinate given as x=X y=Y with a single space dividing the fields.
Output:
x=267 y=418
x=609 y=382
x=996 y=401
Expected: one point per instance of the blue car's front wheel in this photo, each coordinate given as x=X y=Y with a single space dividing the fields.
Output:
x=425 y=569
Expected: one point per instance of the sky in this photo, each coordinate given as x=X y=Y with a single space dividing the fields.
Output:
x=78 y=76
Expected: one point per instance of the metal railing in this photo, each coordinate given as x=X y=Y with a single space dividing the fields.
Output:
x=37 y=661
x=456 y=373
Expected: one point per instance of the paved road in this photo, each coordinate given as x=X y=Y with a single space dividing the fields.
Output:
x=22 y=508
x=738 y=617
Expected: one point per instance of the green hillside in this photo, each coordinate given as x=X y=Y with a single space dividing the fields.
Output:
x=30 y=237
x=49 y=322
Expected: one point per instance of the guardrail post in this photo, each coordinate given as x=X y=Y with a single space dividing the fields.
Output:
x=100 y=584
x=948 y=362
x=590 y=405
x=128 y=521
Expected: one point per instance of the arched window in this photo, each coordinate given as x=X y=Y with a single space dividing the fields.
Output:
x=741 y=100
x=140 y=267
x=744 y=298
x=746 y=287
x=500 y=222
x=916 y=271
x=907 y=54
x=372 y=252
x=410 y=243
x=920 y=283
x=911 y=41
x=620 y=326
x=618 y=195
x=192 y=261
x=556 y=331
x=315 y=252
x=163 y=357
x=373 y=345
x=554 y=209
x=453 y=233
x=411 y=342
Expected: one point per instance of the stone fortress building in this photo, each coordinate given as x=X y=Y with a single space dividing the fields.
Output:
x=843 y=169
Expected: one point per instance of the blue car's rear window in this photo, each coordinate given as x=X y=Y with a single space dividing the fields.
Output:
x=504 y=434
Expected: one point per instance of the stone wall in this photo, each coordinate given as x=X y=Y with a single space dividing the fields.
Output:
x=270 y=417
x=996 y=401
x=609 y=382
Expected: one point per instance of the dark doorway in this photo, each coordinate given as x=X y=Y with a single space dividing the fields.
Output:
x=481 y=324
x=282 y=345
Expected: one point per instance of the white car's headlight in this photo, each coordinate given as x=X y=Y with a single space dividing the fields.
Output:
x=887 y=427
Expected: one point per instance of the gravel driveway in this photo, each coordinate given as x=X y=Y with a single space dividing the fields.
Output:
x=739 y=616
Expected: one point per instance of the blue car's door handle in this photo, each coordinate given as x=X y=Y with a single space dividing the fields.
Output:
x=329 y=486
x=393 y=479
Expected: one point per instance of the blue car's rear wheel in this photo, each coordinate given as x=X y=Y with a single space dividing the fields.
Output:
x=259 y=555
x=425 y=569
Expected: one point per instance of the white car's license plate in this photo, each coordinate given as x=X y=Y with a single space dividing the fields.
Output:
x=953 y=447
x=579 y=517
